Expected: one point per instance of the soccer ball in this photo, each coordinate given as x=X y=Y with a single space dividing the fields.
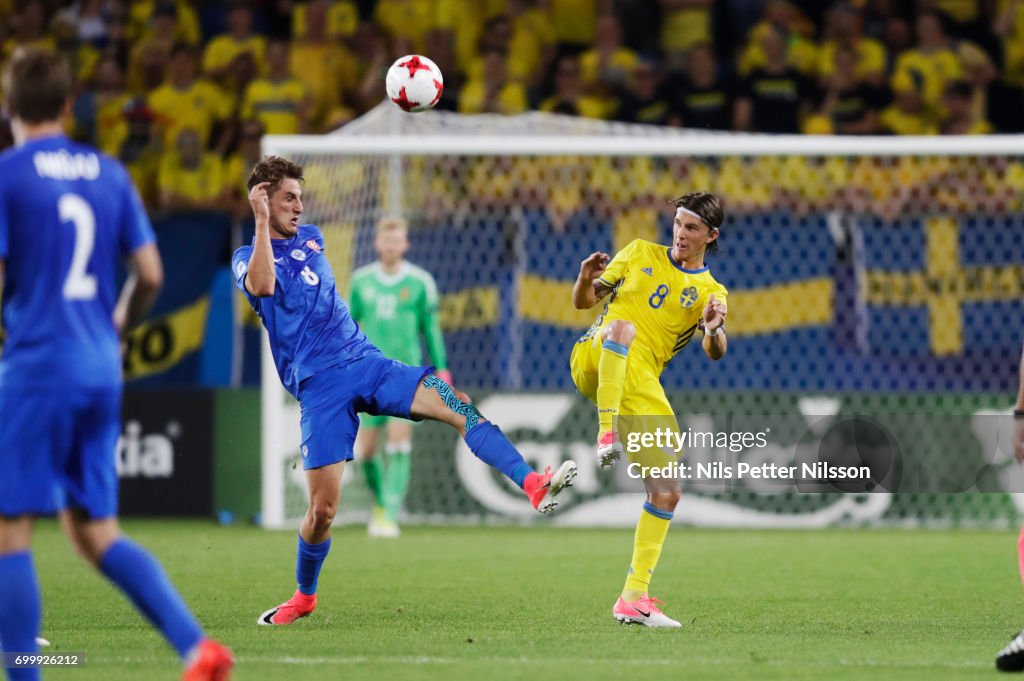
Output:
x=414 y=83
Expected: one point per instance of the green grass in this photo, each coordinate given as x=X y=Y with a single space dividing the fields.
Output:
x=519 y=603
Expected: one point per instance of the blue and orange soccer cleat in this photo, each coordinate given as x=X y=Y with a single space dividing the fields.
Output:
x=298 y=606
x=543 y=489
x=213 y=662
x=643 y=611
x=609 y=449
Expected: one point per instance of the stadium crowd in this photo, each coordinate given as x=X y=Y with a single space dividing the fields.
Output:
x=182 y=91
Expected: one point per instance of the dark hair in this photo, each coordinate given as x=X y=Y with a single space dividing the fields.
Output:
x=36 y=85
x=708 y=207
x=273 y=169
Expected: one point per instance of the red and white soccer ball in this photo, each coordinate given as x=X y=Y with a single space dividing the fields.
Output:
x=414 y=83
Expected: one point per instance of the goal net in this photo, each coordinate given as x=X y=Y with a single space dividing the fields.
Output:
x=875 y=290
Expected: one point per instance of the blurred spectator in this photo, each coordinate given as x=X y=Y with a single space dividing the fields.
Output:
x=934 y=59
x=82 y=57
x=1008 y=27
x=223 y=50
x=140 y=151
x=29 y=29
x=705 y=98
x=533 y=38
x=961 y=117
x=280 y=101
x=869 y=54
x=773 y=98
x=782 y=18
x=575 y=22
x=684 y=24
x=184 y=101
x=337 y=20
x=495 y=92
x=191 y=179
x=141 y=24
x=150 y=55
x=849 y=104
x=908 y=114
x=569 y=97
x=408 y=20
x=645 y=101
x=605 y=67
x=240 y=163
x=325 y=66
x=99 y=112
x=92 y=20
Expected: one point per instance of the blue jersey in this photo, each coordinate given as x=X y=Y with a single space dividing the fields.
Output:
x=68 y=215
x=309 y=326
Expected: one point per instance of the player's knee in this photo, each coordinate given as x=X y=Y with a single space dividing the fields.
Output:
x=321 y=514
x=620 y=331
x=666 y=500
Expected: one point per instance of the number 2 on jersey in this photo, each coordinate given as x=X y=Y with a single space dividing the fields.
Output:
x=79 y=284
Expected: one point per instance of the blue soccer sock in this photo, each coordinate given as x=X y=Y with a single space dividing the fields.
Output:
x=308 y=563
x=491 y=446
x=20 y=609
x=144 y=582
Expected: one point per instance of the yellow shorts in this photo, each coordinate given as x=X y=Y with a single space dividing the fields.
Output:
x=644 y=407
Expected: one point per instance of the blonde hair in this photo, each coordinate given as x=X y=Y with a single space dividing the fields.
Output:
x=390 y=223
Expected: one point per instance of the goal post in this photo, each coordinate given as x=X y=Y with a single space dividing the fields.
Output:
x=867 y=276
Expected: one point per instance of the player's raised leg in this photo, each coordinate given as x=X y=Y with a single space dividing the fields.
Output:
x=19 y=593
x=435 y=399
x=617 y=336
x=397 y=471
x=314 y=543
x=373 y=467
x=635 y=605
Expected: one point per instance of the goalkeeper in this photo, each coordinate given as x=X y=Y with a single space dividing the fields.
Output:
x=660 y=297
x=394 y=302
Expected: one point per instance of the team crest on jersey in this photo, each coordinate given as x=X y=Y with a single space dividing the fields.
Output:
x=689 y=296
x=313 y=245
x=403 y=294
x=649 y=271
x=240 y=268
x=299 y=254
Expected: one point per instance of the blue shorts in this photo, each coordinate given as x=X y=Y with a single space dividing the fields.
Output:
x=332 y=399
x=57 y=450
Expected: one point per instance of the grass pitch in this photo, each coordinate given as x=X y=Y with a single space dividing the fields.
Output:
x=520 y=603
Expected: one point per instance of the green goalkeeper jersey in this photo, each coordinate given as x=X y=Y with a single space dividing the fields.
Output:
x=393 y=310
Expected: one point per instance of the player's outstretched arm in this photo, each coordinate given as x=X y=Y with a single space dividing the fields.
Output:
x=145 y=277
x=260 y=279
x=587 y=290
x=715 y=343
x=1018 y=410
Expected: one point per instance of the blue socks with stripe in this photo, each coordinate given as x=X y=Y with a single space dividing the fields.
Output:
x=21 y=608
x=308 y=563
x=491 y=446
x=144 y=582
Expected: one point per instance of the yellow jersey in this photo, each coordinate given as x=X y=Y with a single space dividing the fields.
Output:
x=663 y=300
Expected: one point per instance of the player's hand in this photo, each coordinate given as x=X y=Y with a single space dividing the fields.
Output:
x=594 y=266
x=260 y=201
x=445 y=376
x=1018 y=438
x=714 y=313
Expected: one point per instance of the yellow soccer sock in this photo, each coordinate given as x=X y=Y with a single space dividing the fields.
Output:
x=611 y=377
x=651 y=531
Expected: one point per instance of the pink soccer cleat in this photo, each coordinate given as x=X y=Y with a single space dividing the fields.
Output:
x=298 y=606
x=643 y=611
x=542 y=488
x=213 y=662
x=609 y=449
